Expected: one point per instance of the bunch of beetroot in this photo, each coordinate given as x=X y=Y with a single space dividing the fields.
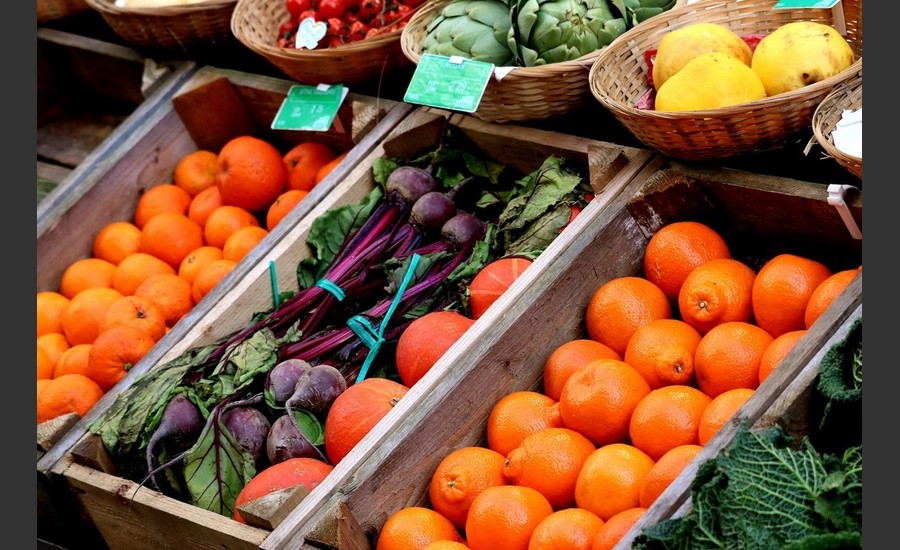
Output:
x=346 y=20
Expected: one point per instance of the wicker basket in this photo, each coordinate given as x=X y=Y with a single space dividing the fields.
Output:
x=50 y=10
x=177 y=30
x=255 y=24
x=526 y=93
x=618 y=79
x=847 y=96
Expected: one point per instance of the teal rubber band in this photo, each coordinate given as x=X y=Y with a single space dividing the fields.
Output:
x=273 y=278
x=369 y=336
x=335 y=290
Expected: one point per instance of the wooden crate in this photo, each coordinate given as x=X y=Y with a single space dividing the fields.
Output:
x=203 y=111
x=506 y=349
x=146 y=519
x=86 y=89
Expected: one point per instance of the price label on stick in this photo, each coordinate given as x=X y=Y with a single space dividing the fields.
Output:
x=809 y=4
x=311 y=108
x=454 y=83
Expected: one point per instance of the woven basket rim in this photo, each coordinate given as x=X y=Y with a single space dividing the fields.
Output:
x=777 y=101
x=836 y=99
x=584 y=62
x=108 y=6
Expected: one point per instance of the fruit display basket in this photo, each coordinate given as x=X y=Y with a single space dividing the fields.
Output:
x=255 y=24
x=618 y=80
x=189 y=119
x=177 y=30
x=128 y=517
x=51 y=10
x=526 y=93
x=760 y=215
x=847 y=96
x=87 y=89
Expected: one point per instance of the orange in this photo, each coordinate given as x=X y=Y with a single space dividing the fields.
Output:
x=662 y=351
x=50 y=309
x=570 y=529
x=136 y=311
x=166 y=197
x=45 y=364
x=616 y=527
x=446 y=545
x=196 y=171
x=173 y=295
x=516 y=416
x=824 y=294
x=717 y=292
x=425 y=340
x=492 y=281
x=329 y=166
x=283 y=206
x=548 y=461
x=54 y=344
x=569 y=357
x=304 y=161
x=678 y=248
x=86 y=273
x=242 y=241
x=356 y=411
x=776 y=351
x=170 y=237
x=116 y=241
x=250 y=174
x=73 y=361
x=782 y=290
x=719 y=411
x=225 y=220
x=666 y=418
x=598 y=399
x=203 y=204
x=415 y=527
x=460 y=477
x=504 y=517
x=70 y=393
x=728 y=357
x=135 y=269
x=620 y=306
x=664 y=472
x=86 y=313
x=199 y=257
x=41 y=384
x=114 y=352
x=209 y=276
x=611 y=479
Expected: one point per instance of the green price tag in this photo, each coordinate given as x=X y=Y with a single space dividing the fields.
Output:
x=811 y=4
x=445 y=82
x=311 y=108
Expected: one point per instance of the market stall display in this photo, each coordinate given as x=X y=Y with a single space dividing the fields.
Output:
x=618 y=81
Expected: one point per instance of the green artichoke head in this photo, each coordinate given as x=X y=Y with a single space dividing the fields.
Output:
x=637 y=11
x=475 y=29
x=551 y=31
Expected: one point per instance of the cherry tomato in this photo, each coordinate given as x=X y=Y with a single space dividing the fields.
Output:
x=332 y=41
x=309 y=13
x=368 y=9
x=358 y=30
x=287 y=28
x=330 y=8
x=413 y=3
x=337 y=27
x=296 y=7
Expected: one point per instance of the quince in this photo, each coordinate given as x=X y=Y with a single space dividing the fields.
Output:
x=681 y=45
x=798 y=54
x=709 y=81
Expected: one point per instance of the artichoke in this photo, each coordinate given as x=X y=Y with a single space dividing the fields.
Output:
x=637 y=11
x=551 y=31
x=475 y=29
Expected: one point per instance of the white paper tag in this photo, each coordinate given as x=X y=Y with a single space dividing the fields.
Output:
x=847 y=133
x=309 y=33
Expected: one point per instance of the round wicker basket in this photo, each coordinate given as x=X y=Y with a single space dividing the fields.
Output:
x=255 y=24
x=525 y=93
x=177 y=30
x=618 y=80
x=847 y=96
x=50 y=10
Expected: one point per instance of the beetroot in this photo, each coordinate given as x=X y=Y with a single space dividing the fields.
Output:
x=250 y=427
x=285 y=440
x=317 y=389
x=282 y=379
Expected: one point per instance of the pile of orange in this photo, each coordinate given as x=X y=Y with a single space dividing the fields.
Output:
x=669 y=357
x=146 y=273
